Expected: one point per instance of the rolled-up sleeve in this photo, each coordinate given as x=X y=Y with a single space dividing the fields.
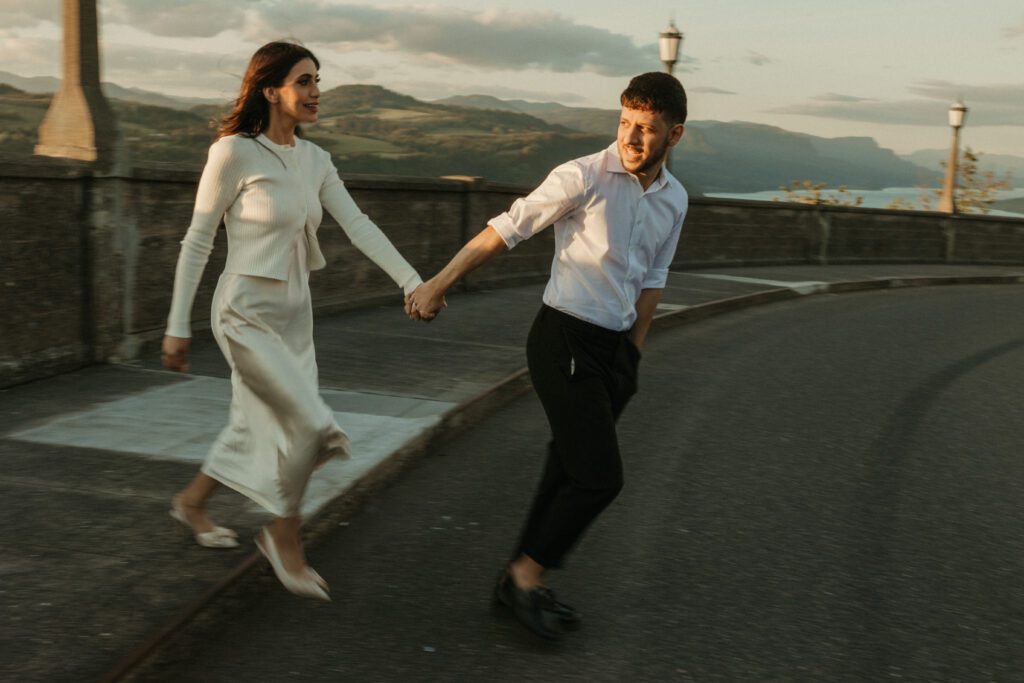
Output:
x=560 y=194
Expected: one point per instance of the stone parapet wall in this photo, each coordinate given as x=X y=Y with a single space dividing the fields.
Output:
x=88 y=260
x=44 y=290
x=718 y=233
x=878 y=236
x=722 y=232
x=989 y=242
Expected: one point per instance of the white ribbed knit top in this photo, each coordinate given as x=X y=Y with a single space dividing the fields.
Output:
x=268 y=196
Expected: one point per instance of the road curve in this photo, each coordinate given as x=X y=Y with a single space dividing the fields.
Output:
x=824 y=489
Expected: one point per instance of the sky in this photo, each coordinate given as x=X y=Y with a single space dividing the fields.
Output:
x=887 y=69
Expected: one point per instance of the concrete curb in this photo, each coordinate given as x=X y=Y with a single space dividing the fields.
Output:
x=713 y=308
x=251 y=572
x=246 y=575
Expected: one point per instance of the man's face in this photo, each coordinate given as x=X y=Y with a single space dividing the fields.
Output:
x=644 y=139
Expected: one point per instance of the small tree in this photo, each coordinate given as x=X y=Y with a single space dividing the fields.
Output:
x=901 y=204
x=975 y=191
x=810 y=192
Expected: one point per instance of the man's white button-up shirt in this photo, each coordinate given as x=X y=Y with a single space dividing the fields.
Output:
x=612 y=238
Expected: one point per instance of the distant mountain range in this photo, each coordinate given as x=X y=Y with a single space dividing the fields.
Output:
x=739 y=156
x=48 y=85
x=848 y=158
x=1000 y=164
x=369 y=129
x=583 y=119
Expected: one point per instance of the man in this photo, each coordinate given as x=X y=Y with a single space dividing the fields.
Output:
x=617 y=216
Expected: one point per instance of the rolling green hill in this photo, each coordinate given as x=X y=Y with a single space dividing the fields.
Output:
x=372 y=130
x=368 y=130
x=435 y=139
x=152 y=133
x=20 y=116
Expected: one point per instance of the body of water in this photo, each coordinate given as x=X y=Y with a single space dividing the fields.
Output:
x=874 y=199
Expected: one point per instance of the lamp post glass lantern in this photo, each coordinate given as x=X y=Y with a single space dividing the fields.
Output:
x=957 y=117
x=668 y=43
x=957 y=114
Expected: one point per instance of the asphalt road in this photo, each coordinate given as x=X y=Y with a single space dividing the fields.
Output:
x=825 y=489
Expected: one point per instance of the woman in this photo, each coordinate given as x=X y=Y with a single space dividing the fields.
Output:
x=270 y=187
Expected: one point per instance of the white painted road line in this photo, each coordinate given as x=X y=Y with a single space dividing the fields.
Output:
x=180 y=422
x=809 y=287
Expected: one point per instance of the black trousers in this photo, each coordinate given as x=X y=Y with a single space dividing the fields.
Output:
x=584 y=375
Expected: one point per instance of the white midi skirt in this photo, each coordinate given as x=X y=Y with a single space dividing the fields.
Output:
x=279 y=429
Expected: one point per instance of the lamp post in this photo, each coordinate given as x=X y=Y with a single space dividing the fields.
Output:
x=668 y=42
x=957 y=115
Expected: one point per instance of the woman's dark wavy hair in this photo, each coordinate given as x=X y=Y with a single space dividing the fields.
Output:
x=657 y=92
x=267 y=69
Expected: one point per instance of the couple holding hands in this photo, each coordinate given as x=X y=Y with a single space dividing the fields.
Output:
x=617 y=216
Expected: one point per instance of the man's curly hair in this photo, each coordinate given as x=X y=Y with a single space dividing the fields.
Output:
x=657 y=92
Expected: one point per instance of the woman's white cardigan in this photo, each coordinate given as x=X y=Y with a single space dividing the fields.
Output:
x=268 y=195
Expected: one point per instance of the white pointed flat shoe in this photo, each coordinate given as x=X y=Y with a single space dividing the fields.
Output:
x=319 y=579
x=219 y=537
x=304 y=584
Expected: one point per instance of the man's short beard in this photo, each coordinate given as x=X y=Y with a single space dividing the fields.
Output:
x=653 y=160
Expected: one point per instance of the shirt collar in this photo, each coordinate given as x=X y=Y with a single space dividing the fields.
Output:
x=613 y=164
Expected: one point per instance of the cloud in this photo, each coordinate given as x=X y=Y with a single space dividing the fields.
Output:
x=1005 y=94
x=198 y=73
x=1014 y=31
x=30 y=56
x=757 y=59
x=490 y=39
x=836 y=97
x=28 y=13
x=185 y=19
x=992 y=105
x=483 y=39
x=707 y=90
x=360 y=73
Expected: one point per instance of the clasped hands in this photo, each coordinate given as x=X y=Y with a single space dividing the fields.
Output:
x=425 y=302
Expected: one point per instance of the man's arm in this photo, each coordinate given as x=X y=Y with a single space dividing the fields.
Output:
x=645 y=307
x=560 y=193
x=428 y=299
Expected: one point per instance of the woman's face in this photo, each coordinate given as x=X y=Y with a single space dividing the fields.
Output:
x=299 y=96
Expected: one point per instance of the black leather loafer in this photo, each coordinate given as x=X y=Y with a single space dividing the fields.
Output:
x=568 y=617
x=537 y=609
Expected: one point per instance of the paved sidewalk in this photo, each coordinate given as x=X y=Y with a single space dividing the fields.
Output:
x=91 y=564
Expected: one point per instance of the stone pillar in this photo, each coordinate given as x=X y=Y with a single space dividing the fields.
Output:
x=80 y=123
